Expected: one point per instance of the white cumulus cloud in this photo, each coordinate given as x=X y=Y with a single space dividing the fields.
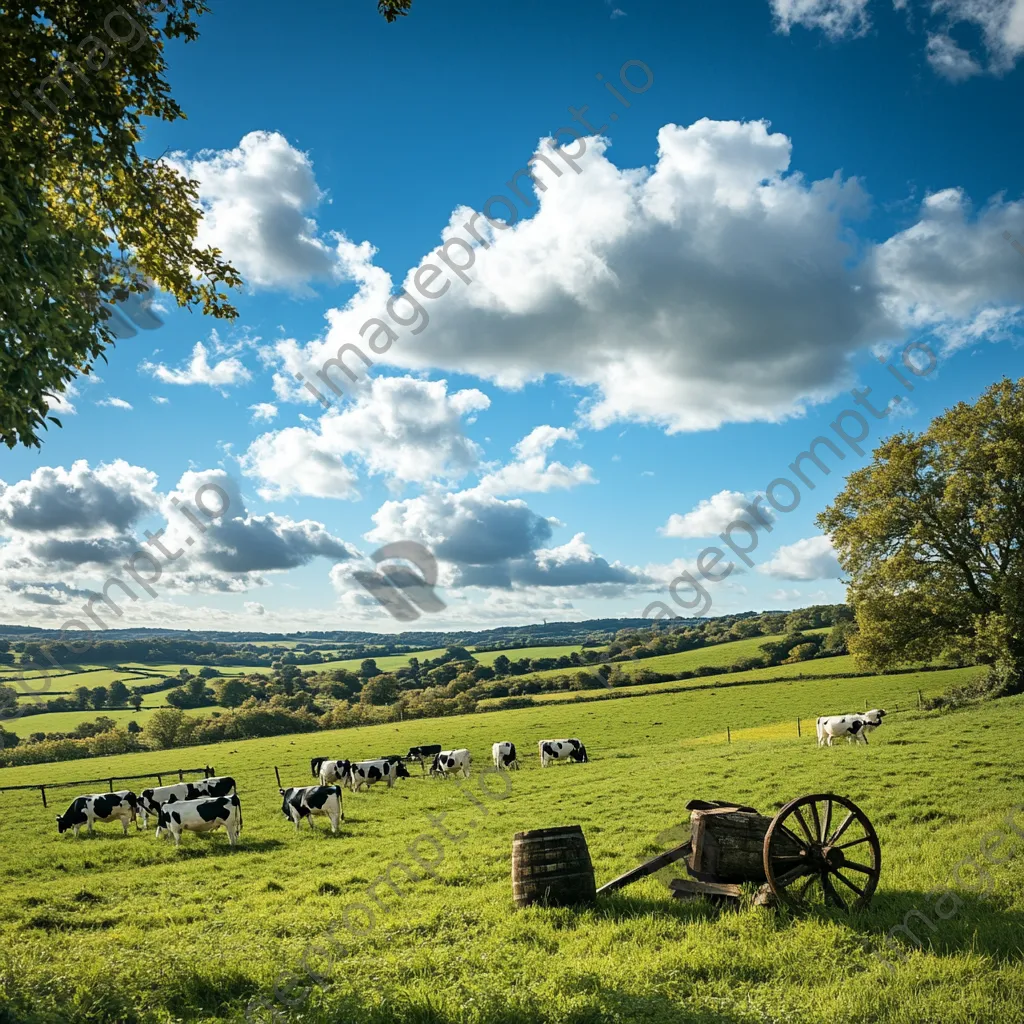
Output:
x=200 y=371
x=812 y=558
x=257 y=199
x=710 y=516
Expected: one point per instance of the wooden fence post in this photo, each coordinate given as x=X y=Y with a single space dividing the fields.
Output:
x=278 y=774
x=111 y=782
x=728 y=735
x=159 y=780
x=42 y=790
x=181 y=776
x=919 y=700
x=798 y=728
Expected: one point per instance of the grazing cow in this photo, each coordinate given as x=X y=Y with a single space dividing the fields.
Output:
x=122 y=806
x=330 y=771
x=365 y=773
x=448 y=762
x=393 y=758
x=430 y=750
x=553 y=750
x=854 y=727
x=305 y=801
x=152 y=799
x=504 y=755
x=202 y=815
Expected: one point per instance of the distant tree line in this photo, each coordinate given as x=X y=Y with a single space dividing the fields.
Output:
x=288 y=700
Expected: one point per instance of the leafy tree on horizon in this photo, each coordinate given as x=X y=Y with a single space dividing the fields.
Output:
x=931 y=535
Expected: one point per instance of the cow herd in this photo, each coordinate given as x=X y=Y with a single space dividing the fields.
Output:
x=200 y=806
x=208 y=804
x=213 y=803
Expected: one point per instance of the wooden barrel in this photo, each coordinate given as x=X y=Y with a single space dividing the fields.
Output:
x=551 y=866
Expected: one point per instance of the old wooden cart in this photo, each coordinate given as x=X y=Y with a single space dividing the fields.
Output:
x=819 y=848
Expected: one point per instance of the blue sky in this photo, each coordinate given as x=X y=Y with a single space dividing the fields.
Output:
x=801 y=188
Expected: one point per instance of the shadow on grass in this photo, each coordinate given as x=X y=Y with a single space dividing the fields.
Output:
x=208 y=846
x=592 y=1003
x=943 y=922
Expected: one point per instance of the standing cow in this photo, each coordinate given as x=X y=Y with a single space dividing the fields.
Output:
x=366 y=773
x=330 y=771
x=854 y=727
x=305 y=801
x=554 y=750
x=448 y=762
x=504 y=755
x=202 y=815
x=152 y=799
x=121 y=806
x=422 y=753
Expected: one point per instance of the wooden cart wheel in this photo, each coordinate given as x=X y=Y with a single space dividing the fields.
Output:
x=821 y=849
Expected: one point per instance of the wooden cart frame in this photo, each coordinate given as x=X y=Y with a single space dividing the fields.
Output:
x=818 y=849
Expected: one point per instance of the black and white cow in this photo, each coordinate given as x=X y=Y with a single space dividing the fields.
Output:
x=554 y=750
x=854 y=727
x=202 y=815
x=152 y=799
x=305 y=801
x=330 y=771
x=448 y=762
x=366 y=773
x=122 y=806
x=422 y=754
x=504 y=755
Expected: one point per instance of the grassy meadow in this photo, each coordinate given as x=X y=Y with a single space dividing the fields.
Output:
x=203 y=933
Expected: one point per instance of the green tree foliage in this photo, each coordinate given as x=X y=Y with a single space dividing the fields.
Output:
x=98 y=697
x=8 y=699
x=83 y=697
x=932 y=537
x=381 y=689
x=85 y=220
x=368 y=669
x=231 y=693
x=394 y=9
x=136 y=701
x=194 y=694
x=170 y=727
x=117 y=695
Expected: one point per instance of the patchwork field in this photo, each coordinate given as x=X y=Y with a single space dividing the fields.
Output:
x=447 y=946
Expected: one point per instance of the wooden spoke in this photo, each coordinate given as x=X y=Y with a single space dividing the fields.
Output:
x=831 y=896
x=850 y=819
x=856 y=888
x=803 y=824
x=828 y=818
x=787 y=878
x=790 y=834
x=818 y=834
x=854 y=866
x=853 y=842
x=803 y=889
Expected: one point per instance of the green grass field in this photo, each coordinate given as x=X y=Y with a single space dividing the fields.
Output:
x=487 y=657
x=199 y=934
x=929 y=683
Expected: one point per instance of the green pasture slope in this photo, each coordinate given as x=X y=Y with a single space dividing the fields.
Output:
x=202 y=933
